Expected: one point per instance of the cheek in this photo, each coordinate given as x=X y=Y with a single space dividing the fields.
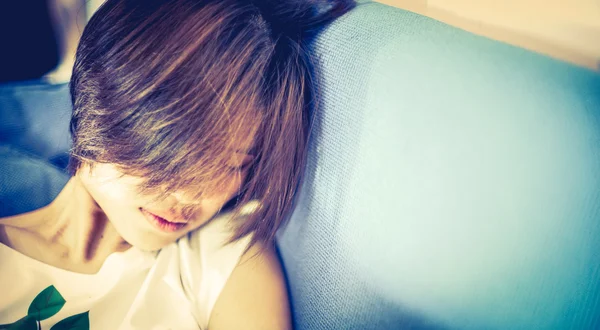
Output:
x=113 y=191
x=234 y=186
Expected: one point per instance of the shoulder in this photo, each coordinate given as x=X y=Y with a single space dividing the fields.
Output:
x=255 y=296
x=233 y=286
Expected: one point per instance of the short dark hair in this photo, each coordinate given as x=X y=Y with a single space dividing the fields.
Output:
x=159 y=88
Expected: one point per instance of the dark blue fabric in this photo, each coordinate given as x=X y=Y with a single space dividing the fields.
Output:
x=34 y=144
x=34 y=117
x=453 y=182
x=27 y=182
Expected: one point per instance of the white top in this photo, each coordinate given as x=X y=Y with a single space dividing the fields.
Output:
x=175 y=288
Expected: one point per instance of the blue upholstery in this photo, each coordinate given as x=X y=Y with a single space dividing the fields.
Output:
x=34 y=135
x=453 y=183
x=27 y=182
x=34 y=117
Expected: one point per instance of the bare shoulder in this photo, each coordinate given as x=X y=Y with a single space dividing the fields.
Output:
x=255 y=296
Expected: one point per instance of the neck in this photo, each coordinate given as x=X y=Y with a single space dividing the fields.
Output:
x=73 y=226
x=93 y=236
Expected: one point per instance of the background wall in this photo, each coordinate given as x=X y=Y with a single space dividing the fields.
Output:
x=565 y=29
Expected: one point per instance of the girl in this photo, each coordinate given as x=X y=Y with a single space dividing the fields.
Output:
x=189 y=126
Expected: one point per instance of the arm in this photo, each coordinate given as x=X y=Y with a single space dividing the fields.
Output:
x=255 y=296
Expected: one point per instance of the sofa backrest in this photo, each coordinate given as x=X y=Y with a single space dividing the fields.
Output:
x=453 y=182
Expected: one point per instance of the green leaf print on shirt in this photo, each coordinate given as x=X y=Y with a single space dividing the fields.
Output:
x=25 y=323
x=75 y=322
x=46 y=304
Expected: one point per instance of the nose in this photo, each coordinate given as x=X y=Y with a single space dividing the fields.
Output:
x=183 y=199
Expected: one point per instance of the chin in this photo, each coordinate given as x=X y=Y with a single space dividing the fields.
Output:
x=149 y=245
x=145 y=240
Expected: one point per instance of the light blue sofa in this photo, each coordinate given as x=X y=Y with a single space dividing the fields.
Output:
x=453 y=181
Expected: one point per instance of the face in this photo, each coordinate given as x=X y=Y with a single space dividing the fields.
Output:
x=144 y=221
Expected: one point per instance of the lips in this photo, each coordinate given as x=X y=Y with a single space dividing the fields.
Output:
x=164 y=224
x=168 y=216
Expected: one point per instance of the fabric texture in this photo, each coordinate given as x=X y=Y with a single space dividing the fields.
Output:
x=27 y=182
x=453 y=182
x=34 y=117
